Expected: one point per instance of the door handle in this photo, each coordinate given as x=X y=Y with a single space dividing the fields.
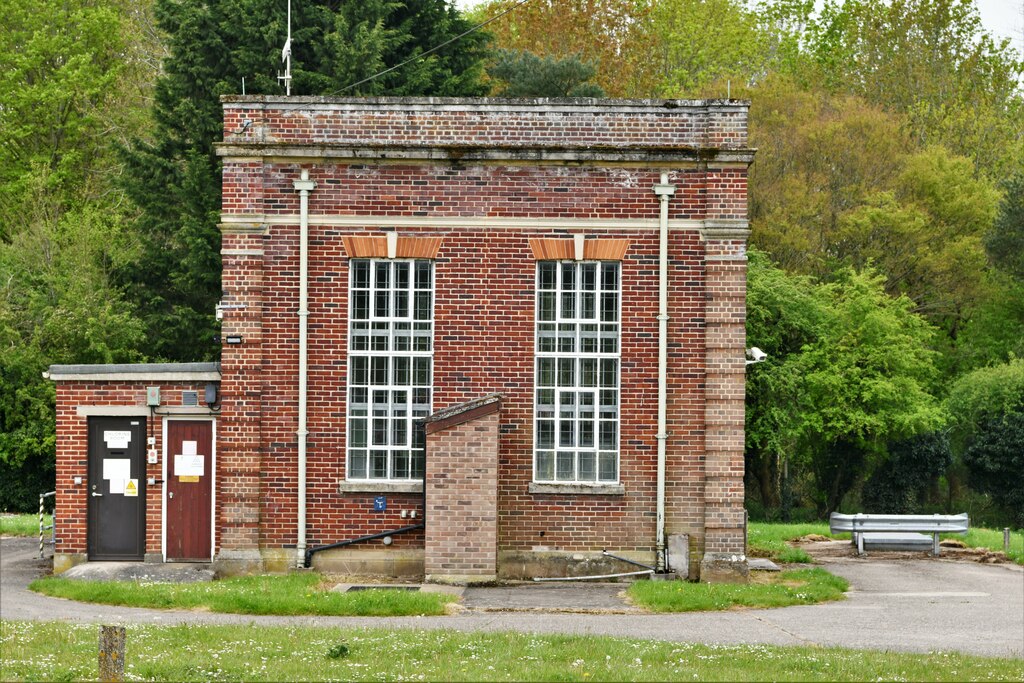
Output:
x=97 y=495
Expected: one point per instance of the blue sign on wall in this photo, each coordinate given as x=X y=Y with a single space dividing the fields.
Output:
x=380 y=504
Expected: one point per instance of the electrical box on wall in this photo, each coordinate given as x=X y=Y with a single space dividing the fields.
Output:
x=151 y=456
x=152 y=396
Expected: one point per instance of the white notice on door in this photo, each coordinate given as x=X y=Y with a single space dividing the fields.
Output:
x=188 y=448
x=117 y=486
x=189 y=466
x=117 y=439
x=117 y=468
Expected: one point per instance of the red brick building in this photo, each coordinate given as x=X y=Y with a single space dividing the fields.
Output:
x=536 y=307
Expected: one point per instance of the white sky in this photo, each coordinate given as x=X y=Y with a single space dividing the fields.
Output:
x=1002 y=18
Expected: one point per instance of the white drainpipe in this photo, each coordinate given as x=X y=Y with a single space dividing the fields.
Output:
x=303 y=186
x=664 y=191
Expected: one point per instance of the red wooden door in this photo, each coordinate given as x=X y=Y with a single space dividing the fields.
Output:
x=189 y=490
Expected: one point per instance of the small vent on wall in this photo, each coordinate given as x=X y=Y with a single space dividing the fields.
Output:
x=190 y=398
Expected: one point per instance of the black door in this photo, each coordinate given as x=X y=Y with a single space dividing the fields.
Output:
x=117 y=488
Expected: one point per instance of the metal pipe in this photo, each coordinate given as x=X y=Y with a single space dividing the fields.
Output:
x=595 y=576
x=303 y=186
x=308 y=554
x=664 y=192
x=627 y=560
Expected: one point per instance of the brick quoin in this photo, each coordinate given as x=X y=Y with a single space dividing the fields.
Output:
x=483 y=178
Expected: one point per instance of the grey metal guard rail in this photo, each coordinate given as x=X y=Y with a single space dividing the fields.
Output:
x=860 y=524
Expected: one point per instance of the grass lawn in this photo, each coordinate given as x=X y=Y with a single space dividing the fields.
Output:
x=993 y=540
x=767 y=589
x=56 y=651
x=291 y=594
x=770 y=540
x=22 y=525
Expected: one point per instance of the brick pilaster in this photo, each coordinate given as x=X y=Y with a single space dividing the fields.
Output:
x=724 y=343
x=461 y=539
x=239 y=462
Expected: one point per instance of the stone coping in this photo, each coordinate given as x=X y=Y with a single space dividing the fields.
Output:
x=462 y=412
x=159 y=372
x=481 y=103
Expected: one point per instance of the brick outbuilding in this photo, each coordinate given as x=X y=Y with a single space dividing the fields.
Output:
x=535 y=307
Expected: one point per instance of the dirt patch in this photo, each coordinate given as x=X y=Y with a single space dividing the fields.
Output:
x=952 y=549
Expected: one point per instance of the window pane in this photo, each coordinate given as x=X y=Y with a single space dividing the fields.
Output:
x=586 y=439
x=379 y=370
x=564 y=466
x=423 y=309
x=588 y=276
x=546 y=335
x=423 y=280
x=567 y=339
x=360 y=305
x=546 y=275
x=400 y=464
x=545 y=403
x=401 y=275
x=358 y=370
x=609 y=372
x=566 y=372
x=566 y=436
x=609 y=437
x=610 y=276
x=421 y=371
x=545 y=372
x=608 y=467
x=382 y=275
x=545 y=434
x=357 y=464
x=568 y=277
x=357 y=402
x=588 y=466
x=361 y=274
x=609 y=307
x=378 y=464
x=568 y=305
x=588 y=306
x=546 y=306
x=545 y=465
x=357 y=433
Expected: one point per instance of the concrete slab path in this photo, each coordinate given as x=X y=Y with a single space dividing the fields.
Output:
x=913 y=605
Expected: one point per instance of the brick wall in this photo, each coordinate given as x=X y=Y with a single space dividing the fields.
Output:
x=536 y=172
x=461 y=539
x=76 y=401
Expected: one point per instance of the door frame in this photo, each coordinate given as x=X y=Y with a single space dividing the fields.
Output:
x=213 y=479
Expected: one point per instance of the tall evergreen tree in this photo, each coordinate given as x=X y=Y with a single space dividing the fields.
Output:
x=174 y=178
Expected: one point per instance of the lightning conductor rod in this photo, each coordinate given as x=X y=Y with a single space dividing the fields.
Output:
x=286 y=56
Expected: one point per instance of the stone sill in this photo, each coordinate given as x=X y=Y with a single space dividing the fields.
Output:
x=579 y=489
x=380 y=487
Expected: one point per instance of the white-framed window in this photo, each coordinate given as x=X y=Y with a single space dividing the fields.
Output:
x=390 y=366
x=576 y=411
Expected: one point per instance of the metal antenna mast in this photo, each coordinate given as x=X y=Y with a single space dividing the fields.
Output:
x=286 y=56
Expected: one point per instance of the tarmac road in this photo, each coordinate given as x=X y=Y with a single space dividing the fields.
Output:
x=913 y=605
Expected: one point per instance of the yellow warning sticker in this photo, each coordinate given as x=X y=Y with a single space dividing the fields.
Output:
x=131 y=487
x=189 y=479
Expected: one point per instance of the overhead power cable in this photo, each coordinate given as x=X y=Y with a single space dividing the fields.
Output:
x=433 y=49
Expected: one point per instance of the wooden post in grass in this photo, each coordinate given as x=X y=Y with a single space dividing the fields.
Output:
x=112 y=640
x=1006 y=540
